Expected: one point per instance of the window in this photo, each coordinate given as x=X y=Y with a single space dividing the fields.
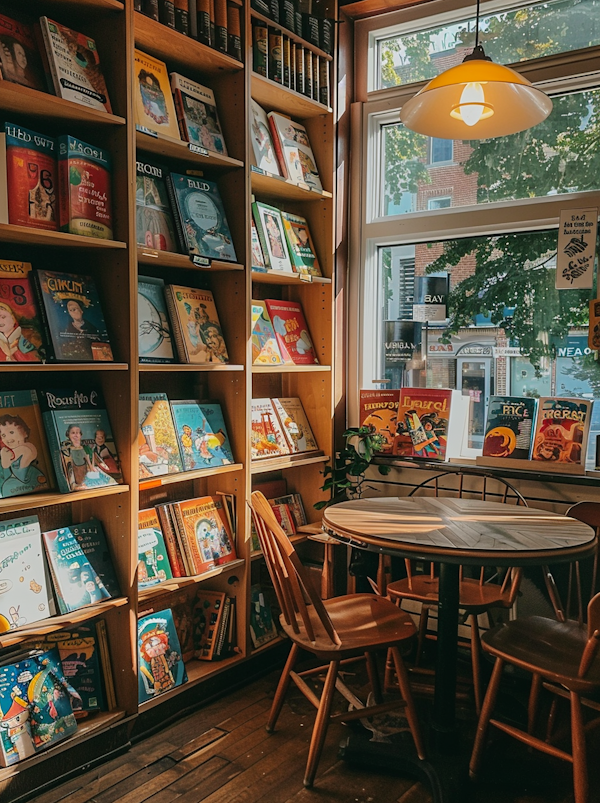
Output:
x=441 y=202
x=440 y=150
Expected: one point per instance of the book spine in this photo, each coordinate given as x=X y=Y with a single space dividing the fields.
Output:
x=54 y=446
x=105 y=662
x=50 y=59
x=138 y=5
x=298 y=28
x=176 y=216
x=221 y=25
x=293 y=65
x=262 y=239
x=64 y=188
x=232 y=627
x=324 y=82
x=186 y=548
x=222 y=635
x=46 y=335
x=315 y=76
x=260 y=50
x=166 y=13
x=175 y=325
x=286 y=61
x=213 y=35
x=182 y=17
x=170 y=542
x=234 y=38
x=150 y=9
x=275 y=55
x=3 y=180
x=327 y=33
x=299 y=69
x=278 y=151
x=203 y=21
x=308 y=69
x=180 y=112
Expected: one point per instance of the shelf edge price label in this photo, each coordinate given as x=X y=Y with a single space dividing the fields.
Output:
x=143 y=130
x=201 y=262
x=197 y=149
x=305 y=277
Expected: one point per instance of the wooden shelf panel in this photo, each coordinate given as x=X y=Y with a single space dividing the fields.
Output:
x=24 y=100
x=274 y=97
x=21 y=367
x=153 y=592
x=197 y=671
x=28 y=236
x=283 y=277
x=185 y=476
x=19 y=503
x=279 y=187
x=177 y=149
x=170 y=367
x=286 y=461
x=168 y=259
x=290 y=34
x=290 y=369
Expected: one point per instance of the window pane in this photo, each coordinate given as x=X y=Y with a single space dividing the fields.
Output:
x=441 y=150
x=558 y=156
x=542 y=29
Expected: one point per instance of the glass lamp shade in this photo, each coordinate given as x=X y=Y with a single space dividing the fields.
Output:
x=476 y=100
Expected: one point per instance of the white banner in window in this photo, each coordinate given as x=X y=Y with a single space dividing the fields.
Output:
x=576 y=249
x=429 y=312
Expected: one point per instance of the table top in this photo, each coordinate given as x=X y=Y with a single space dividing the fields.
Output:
x=449 y=530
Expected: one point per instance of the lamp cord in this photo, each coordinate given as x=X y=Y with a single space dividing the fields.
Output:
x=477 y=26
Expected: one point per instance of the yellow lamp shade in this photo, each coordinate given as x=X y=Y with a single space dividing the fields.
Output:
x=476 y=100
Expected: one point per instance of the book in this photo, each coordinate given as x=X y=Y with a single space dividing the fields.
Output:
x=153 y=560
x=154 y=224
x=292 y=146
x=20 y=61
x=28 y=178
x=222 y=648
x=202 y=444
x=295 y=425
x=423 y=416
x=76 y=581
x=284 y=517
x=300 y=245
x=561 y=430
x=197 y=114
x=271 y=234
x=267 y=438
x=229 y=505
x=201 y=217
x=217 y=439
x=91 y=538
x=154 y=330
x=84 y=189
x=158 y=447
x=21 y=338
x=208 y=617
x=296 y=507
x=183 y=618
x=265 y=157
x=509 y=427
x=24 y=454
x=105 y=663
x=204 y=533
x=168 y=530
x=265 y=350
x=74 y=66
x=154 y=106
x=258 y=261
x=196 y=326
x=73 y=315
x=80 y=439
x=262 y=627
x=379 y=411
x=291 y=331
x=160 y=663
x=25 y=595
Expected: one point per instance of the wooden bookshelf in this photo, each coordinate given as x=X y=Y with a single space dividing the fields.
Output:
x=17 y=99
x=256 y=15
x=290 y=369
x=283 y=277
x=159 y=590
x=23 y=235
x=287 y=101
x=169 y=148
x=168 y=259
x=170 y=367
x=286 y=190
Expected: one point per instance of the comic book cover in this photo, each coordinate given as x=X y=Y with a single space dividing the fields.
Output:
x=85 y=206
x=204 y=532
x=217 y=439
x=509 y=427
x=21 y=328
x=423 y=415
x=265 y=350
x=203 y=443
x=262 y=626
x=296 y=159
x=271 y=234
x=295 y=425
x=197 y=114
x=25 y=459
x=154 y=330
x=157 y=440
x=154 y=223
x=153 y=560
x=196 y=326
x=160 y=662
x=266 y=435
x=92 y=539
x=208 y=618
x=154 y=106
x=379 y=410
x=19 y=57
x=300 y=245
x=265 y=157
x=291 y=331
x=561 y=430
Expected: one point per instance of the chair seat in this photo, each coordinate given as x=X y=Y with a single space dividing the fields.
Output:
x=474 y=597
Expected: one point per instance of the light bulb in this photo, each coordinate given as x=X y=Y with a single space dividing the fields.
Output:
x=472 y=96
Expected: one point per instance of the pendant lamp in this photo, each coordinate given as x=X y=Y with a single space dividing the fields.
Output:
x=476 y=100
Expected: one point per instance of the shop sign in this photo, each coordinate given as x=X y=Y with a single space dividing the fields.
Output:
x=506 y=351
x=402 y=339
x=572 y=346
x=476 y=351
x=576 y=249
x=438 y=349
x=431 y=298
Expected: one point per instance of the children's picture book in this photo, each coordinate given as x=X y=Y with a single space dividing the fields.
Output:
x=160 y=662
x=20 y=61
x=265 y=350
x=378 y=411
x=217 y=438
x=157 y=440
x=258 y=261
x=265 y=157
x=197 y=114
x=76 y=582
x=153 y=560
x=154 y=330
x=73 y=314
x=208 y=621
x=509 y=427
x=74 y=66
x=291 y=331
x=154 y=223
x=561 y=430
x=262 y=626
x=423 y=415
x=154 y=106
x=267 y=438
x=196 y=326
x=269 y=227
x=204 y=533
x=203 y=444
x=85 y=206
x=80 y=437
x=296 y=159
x=296 y=506
x=295 y=425
x=21 y=338
x=28 y=178
x=300 y=245
x=24 y=455
x=91 y=538
x=203 y=226
x=24 y=593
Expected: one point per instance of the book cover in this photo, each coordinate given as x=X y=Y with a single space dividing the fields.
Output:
x=262 y=626
x=296 y=506
x=294 y=153
x=153 y=560
x=154 y=224
x=91 y=538
x=208 y=616
x=75 y=66
x=80 y=438
x=24 y=594
x=423 y=415
x=19 y=57
x=291 y=331
x=154 y=330
x=196 y=326
x=28 y=178
x=160 y=663
x=265 y=157
x=24 y=455
x=76 y=581
x=258 y=261
x=561 y=430
x=74 y=317
x=300 y=245
x=265 y=350
x=266 y=435
x=295 y=425
x=183 y=618
x=85 y=206
x=217 y=439
x=157 y=440
x=379 y=410
x=21 y=328
x=271 y=234
x=203 y=444
x=202 y=217
x=197 y=114
x=204 y=530
x=509 y=427
x=284 y=517
x=154 y=106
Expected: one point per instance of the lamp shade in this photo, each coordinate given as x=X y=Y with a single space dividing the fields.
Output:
x=476 y=100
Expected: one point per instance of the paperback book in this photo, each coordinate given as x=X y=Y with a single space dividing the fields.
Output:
x=92 y=539
x=265 y=350
x=204 y=533
x=20 y=324
x=196 y=326
x=24 y=455
x=202 y=444
x=154 y=224
x=209 y=622
x=154 y=107
x=295 y=425
x=267 y=438
x=423 y=415
x=154 y=331
x=153 y=560
x=271 y=234
x=19 y=58
x=296 y=159
x=291 y=331
x=84 y=189
x=509 y=427
x=158 y=446
x=197 y=114
x=217 y=438
x=262 y=626
x=265 y=157
x=379 y=411
x=561 y=430
x=301 y=249
x=160 y=662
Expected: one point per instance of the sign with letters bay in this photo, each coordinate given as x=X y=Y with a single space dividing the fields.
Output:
x=576 y=249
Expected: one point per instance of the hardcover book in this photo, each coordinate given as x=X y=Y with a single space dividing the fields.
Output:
x=423 y=415
x=300 y=245
x=295 y=425
x=74 y=318
x=204 y=533
x=84 y=189
x=561 y=430
x=258 y=261
x=24 y=455
x=19 y=57
x=80 y=439
x=296 y=159
x=509 y=427
x=154 y=224
x=262 y=627
x=157 y=440
x=294 y=502
x=153 y=560
x=291 y=331
x=196 y=326
x=217 y=439
x=267 y=438
x=208 y=621
x=154 y=331
x=203 y=444
x=92 y=539
x=20 y=325
x=265 y=350
x=154 y=107
x=269 y=227
x=75 y=66
x=197 y=114
x=379 y=411
x=265 y=157
x=284 y=517
x=160 y=662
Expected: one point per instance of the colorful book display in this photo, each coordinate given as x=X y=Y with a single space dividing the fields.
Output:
x=24 y=457
x=197 y=114
x=300 y=245
x=267 y=438
x=160 y=663
x=154 y=224
x=19 y=58
x=153 y=561
x=202 y=444
x=84 y=189
x=92 y=539
x=203 y=533
x=196 y=326
x=561 y=432
x=262 y=627
x=291 y=331
x=265 y=157
x=157 y=440
x=20 y=325
x=296 y=159
x=154 y=331
x=509 y=427
x=265 y=350
x=295 y=425
x=154 y=107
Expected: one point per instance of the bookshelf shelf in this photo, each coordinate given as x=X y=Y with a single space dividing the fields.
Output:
x=168 y=259
x=92 y=5
x=170 y=148
x=24 y=367
x=286 y=461
x=25 y=235
x=283 y=277
x=290 y=369
x=275 y=97
x=197 y=671
x=269 y=645
x=293 y=36
x=23 y=100
x=184 y=476
x=170 y=367
x=154 y=592
x=279 y=187
x=17 y=504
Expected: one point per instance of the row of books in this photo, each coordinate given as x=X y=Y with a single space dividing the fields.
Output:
x=289 y=512
x=280 y=334
x=279 y=427
x=300 y=17
x=282 y=241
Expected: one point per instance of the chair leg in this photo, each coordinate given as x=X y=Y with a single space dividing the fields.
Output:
x=423 y=622
x=580 y=777
x=282 y=687
x=374 y=677
x=411 y=711
x=475 y=662
x=551 y=719
x=388 y=677
x=533 y=705
x=484 y=719
x=321 y=724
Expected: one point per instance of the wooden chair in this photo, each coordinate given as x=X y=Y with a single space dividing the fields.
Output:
x=333 y=630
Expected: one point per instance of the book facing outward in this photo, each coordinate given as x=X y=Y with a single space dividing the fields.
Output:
x=296 y=159
x=197 y=114
x=379 y=411
x=84 y=189
x=19 y=57
x=160 y=662
x=21 y=338
x=203 y=533
x=153 y=560
x=271 y=234
x=201 y=434
x=265 y=350
x=295 y=425
x=561 y=431
x=158 y=447
x=509 y=427
x=423 y=417
x=300 y=245
x=267 y=438
x=154 y=224
x=25 y=458
x=265 y=157
x=154 y=331
x=154 y=107
x=291 y=331
x=92 y=539
x=262 y=627
x=196 y=326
